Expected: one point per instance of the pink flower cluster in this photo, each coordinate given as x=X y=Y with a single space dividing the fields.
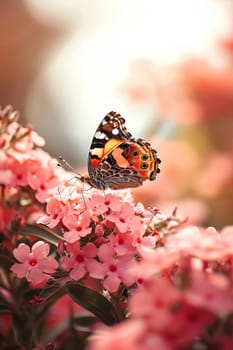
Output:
x=187 y=290
x=102 y=234
x=28 y=175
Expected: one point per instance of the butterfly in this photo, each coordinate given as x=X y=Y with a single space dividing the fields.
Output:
x=116 y=159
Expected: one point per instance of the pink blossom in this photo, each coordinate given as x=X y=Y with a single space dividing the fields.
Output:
x=129 y=335
x=101 y=204
x=206 y=244
x=125 y=218
x=28 y=138
x=153 y=261
x=78 y=257
x=43 y=180
x=165 y=312
x=112 y=269
x=155 y=298
x=20 y=170
x=140 y=240
x=211 y=291
x=14 y=171
x=128 y=242
x=122 y=243
x=35 y=264
x=198 y=245
x=78 y=226
x=123 y=336
x=56 y=210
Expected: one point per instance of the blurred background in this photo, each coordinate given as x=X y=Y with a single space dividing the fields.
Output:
x=166 y=66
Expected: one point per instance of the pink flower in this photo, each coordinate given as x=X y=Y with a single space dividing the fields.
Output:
x=35 y=264
x=129 y=335
x=56 y=210
x=30 y=139
x=155 y=298
x=128 y=242
x=112 y=269
x=206 y=244
x=43 y=180
x=125 y=218
x=75 y=263
x=20 y=170
x=153 y=262
x=164 y=311
x=122 y=243
x=101 y=204
x=211 y=291
x=78 y=226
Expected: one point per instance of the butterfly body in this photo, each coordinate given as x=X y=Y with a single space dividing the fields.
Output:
x=116 y=159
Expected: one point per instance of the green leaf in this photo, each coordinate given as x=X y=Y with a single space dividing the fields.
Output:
x=42 y=232
x=94 y=302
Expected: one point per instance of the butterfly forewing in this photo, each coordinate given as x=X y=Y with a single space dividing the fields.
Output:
x=110 y=133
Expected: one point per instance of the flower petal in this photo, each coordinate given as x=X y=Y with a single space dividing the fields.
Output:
x=22 y=252
x=40 y=250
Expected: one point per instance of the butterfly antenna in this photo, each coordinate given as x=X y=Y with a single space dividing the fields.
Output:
x=65 y=164
x=59 y=193
x=84 y=201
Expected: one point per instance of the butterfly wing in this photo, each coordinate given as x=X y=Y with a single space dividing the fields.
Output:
x=110 y=133
x=116 y=159
x=129 y=165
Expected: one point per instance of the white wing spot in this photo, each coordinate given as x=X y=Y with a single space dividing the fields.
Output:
x=115 y=131
x=100 y=135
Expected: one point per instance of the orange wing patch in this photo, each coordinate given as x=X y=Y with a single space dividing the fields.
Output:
x=111 y=145
x=119 y=158
x=103 y=152
x=98 y=154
